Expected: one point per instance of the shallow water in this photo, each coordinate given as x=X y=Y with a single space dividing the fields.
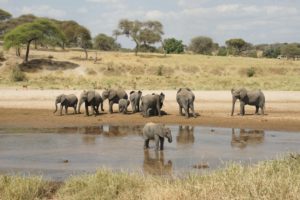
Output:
x=58 y=153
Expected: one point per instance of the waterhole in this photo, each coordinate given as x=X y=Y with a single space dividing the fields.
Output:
x=61 y=152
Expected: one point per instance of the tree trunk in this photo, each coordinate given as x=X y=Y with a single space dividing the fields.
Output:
x=137 y=47
x=86 y=53
x=163 y=48
x=27 y=51
x=18 y=52
x=35 y=44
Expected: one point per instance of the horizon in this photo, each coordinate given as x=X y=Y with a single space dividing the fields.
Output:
x=257 y=22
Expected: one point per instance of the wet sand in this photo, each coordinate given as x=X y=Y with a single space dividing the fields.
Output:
x=34 y=108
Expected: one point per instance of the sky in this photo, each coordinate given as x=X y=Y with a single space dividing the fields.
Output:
x=256 y=21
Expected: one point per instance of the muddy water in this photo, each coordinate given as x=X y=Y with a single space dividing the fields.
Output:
x=59 y=153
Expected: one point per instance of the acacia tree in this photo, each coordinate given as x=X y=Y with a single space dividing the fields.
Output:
x=42 y=30
x=142 y=33
x=105 y=43
x=4 y=15
x=236 y=45
x=202 y=45
x=171 y=45
x=83 y=39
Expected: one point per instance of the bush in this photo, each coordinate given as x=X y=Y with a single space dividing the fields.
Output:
x=222 y=51
x=17 y=75
x=171 y=45
x=250 y=72
x=201 y=45
x=160 y=70
x=272 y=52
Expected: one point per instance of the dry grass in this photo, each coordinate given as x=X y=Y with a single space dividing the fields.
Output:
x=154 y=71
x=277 y=179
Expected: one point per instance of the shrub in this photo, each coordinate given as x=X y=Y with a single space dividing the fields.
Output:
x=171 y=45
x=160 y=70
x=201 y=45
x=222 y=51
x=17 y=74
x=250 y=72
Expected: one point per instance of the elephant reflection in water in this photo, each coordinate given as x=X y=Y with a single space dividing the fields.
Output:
x=156 y=165
x=247 y=137
x=114 y=131
x=185 y=135
x=90 y=133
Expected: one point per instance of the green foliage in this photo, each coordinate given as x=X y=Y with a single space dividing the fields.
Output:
x=222 y=51
x=41 y=30
x=201 y=45
x=6 y=26
x=272 y=52
x=17 y=75
x=4 y=15
x=250 y=53
x=171 y=45
x=290 y=50
x=147 y=48
x=250 y=72
x=236 y=46
x=147 y=33
x=105 y=43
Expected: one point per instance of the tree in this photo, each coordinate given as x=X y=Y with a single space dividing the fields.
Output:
x=12 y=23
x=4 y=15
x=42 y=30
x=236 y=45
x=290 y=50
x=105 y=43
x=202 y=45
x=171 y=45
x=272 y=52
x=145 y=33
x=83 y=39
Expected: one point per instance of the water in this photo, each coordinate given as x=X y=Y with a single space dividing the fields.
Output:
x=58 y=153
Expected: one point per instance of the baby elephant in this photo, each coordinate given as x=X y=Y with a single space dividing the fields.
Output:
x=157 y=132
x=123 y=104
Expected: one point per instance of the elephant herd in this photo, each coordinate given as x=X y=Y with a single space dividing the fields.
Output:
x=151 y=104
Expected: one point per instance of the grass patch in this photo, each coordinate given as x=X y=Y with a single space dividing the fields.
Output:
x=277 y=179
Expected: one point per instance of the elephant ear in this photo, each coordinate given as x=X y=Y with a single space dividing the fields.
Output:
x=140 y=92
x=112 y=94
x=232 y=90
x=243 y=93
x=131 y=92
x=188 y=89
x=90 y=96
x=162 y=97
x=179 y=90
x=63 y=98
x=162 y=131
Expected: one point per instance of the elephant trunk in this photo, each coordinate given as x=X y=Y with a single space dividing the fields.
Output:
x=233 y=104
x=79 y=105
x=56 y=102
x=170 y=139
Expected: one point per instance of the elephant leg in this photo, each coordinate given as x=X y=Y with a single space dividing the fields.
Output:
x=66 y=110
x=111 y=107
x=186 y=110
x=86 y=110
x=262 y=108
x=61 y=108
x=133 y=107
x=193 y=111
x=75 y=112
x=156 y=138
x=242 y=108
x=161 y=143
x=180 y=110
x=158 y=110
x=146 y=145
x=256 y=110
x=102 y=107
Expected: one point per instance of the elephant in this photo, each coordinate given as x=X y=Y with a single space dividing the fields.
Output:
x=152 y=103
x=123 y=104
x=93 y=99
x=157 y=132
x=254 y=98
x=66 y=101
x=185 y=135
x=113 y=97
x=156 y=164
x=246 y=137
x=185 y=99
x=135 y=98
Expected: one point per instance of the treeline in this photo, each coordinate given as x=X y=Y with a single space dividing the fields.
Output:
x=27 y=30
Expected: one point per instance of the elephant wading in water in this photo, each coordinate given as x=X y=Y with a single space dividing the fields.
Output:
x=113 y=97
x=185 y=99
x=254 y=98
x=93 y=99
x=66 y=101
x=152 y=103
x=135 y=98
x=156 y=132
x=123 y=104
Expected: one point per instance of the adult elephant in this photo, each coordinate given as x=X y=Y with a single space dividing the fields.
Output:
x=113 y=97
x=152 y=103
x=156 y=132
x=93 y=99
x=185 y=99
x=66 y=101
x=254 y=98
x=135 y=98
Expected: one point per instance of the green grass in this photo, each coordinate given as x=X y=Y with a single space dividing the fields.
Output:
x=277 y=179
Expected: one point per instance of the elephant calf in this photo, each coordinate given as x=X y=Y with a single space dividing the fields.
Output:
x=123 y=104
x=113 y=97
x=152 y=103
x=66 y=101
x=135 y=98
x=185 y=99
x=156 y=132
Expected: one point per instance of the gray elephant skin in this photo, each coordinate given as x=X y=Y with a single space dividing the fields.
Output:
x=113 y=97
x=66 y=101
x=123 y=104
x=135 y=97
x=156 y=132
x=254 y=98
x=152 y=103
x=185 y=99
x=93 y=99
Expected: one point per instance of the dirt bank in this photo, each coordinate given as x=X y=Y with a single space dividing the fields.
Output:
x=34 y=108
